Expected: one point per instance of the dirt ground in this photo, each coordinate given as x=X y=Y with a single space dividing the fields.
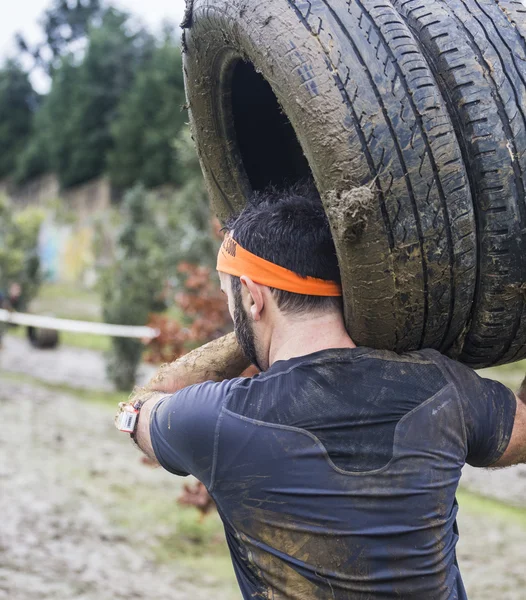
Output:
x=76 y=367
x=82 y=517
x=70 y=487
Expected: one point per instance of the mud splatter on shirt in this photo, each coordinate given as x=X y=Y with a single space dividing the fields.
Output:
x=335 y=473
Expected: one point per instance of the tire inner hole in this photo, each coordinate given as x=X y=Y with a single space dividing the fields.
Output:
x=267 y=142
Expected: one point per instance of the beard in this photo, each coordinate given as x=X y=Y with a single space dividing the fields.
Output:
x=244 y=331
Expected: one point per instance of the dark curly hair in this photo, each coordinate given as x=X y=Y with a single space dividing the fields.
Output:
x=289 y=228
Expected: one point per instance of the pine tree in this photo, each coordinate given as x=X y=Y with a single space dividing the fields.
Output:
x=18 y=102
x=132 y=287
x=149 y=118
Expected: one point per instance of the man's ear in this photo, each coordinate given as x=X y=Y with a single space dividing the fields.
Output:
x=255 y=297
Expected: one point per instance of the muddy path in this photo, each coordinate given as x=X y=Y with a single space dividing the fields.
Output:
x=70 y=499
x=76 y=367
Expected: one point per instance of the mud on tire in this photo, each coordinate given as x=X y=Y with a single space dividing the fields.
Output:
x=477 y=51
x=281 y=89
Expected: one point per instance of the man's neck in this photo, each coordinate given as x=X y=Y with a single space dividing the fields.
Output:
x=299 y=337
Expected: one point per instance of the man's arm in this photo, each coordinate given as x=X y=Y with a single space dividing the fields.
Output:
x=490 y=411
x=516 y=451
x=218 y=360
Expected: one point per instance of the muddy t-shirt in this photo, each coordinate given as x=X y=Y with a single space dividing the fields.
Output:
x=335 y=473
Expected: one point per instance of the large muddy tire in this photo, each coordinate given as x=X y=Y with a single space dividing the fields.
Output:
x=476 y=49
x=281 y=89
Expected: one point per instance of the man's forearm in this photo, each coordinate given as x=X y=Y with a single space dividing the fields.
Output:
x=134 y=418
x=516 y=451
x=218 y=360
x=215 y=361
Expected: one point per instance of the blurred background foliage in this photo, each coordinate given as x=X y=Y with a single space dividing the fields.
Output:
x=115 y=109
x=115 y=104
x=132 y=286
x=19 y=261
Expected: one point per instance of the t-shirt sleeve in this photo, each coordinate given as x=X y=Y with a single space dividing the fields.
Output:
x=183 y=428
x=489 y=413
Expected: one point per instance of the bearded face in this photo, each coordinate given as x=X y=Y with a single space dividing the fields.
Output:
x=244 y=330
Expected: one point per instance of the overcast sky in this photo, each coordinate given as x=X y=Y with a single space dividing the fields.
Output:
x=23 y=15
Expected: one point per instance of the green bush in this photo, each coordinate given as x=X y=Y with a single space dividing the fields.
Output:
x=188 y=211
x=157 y=233
x=132 y=286
x=19 y=262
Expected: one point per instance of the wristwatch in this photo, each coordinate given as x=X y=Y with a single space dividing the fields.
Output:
x=127 y=418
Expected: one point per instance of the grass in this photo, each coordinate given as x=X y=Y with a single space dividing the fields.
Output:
x=52 y=294
x=511 y=375
x=100 y=343
x=68 y=301
x=489 y=508
x=110 y=399
x=181 y=535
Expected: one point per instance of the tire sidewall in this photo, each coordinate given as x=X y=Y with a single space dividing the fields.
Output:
x=302 y=85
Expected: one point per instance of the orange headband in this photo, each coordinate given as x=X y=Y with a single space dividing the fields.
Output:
x=235 y=260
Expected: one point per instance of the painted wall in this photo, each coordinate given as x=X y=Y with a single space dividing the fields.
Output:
x=66 y=240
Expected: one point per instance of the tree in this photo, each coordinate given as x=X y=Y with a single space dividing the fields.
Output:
x=188 y=211
x=19 y=262
x=18 y=102
x=159 y=235
x=34 y=158
x=149 y=118
x=132 y=287
x=65 y=23
x=77 y=113
x=51 y=142
x=105 y=75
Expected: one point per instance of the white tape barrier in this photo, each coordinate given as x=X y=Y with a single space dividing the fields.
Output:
x=127 y=331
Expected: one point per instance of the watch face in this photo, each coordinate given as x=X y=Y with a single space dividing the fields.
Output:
x=126 y=421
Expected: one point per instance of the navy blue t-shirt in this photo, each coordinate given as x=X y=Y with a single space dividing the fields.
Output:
x=335 y=473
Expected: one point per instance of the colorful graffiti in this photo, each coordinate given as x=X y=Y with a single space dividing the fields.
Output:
x=67 y=235
x=66 y=251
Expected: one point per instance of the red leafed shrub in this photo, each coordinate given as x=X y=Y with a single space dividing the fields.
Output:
x=205 y=309
x=198 y=496
x=204 y=303
x=171 y=342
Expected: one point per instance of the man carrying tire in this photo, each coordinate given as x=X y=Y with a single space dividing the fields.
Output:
x=335 y=469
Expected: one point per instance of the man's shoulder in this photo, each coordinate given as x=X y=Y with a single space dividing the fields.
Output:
x=424 y=356
x=351 y=375
x=346 y=360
